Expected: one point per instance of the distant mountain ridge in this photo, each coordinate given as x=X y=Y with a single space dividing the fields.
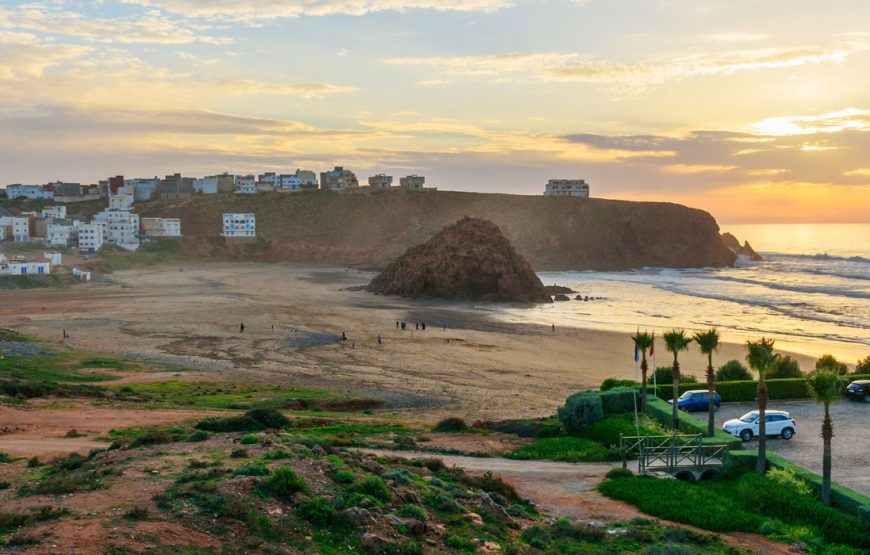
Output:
x=372 y=228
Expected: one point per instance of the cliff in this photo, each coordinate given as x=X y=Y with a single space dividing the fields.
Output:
x=468 y=260
x=745 y=250
x=371 y=229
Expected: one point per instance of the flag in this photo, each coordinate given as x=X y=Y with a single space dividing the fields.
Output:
x=652 y=345
x=636 y=354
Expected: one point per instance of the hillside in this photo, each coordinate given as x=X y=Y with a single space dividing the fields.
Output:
x=375 y=228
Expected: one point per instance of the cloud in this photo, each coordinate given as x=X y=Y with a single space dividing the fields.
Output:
x=303 y=90
x=24 y=57
x=579 y=68
x=150 y=27
x=831 y=122
x=253 y=11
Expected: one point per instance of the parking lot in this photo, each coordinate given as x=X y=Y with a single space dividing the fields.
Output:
x=851 y=444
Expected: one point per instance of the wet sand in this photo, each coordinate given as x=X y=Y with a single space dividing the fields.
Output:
x=189 y=317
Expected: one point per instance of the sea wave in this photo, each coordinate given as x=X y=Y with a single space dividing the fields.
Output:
x=817 y=256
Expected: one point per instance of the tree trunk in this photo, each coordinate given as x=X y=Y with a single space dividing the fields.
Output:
x=761 y=464
x=676 y=376
x=711 y=389
x=827 y=435
x=643 y=369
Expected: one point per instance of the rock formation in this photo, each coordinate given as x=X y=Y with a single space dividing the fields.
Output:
x=468 y=260
x=745 y=250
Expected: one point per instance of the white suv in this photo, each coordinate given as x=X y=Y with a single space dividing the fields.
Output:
x=777 y=423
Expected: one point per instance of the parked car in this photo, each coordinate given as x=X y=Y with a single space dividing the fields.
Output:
x=859 y=390
x=777 y=423
x=697 y=399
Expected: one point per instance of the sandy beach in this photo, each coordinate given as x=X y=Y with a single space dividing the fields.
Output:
x=189 y=316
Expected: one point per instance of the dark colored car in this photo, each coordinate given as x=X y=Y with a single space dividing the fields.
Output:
x=696 y=400
x=859 y=390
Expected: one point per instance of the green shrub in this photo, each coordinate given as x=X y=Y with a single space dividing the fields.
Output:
x=611 y=383
x=230 y=424
x=343 y=477
x=447 y=504
x=269 y=418
x=616 y=473
x=249 y=439
x=451 y=424
x=277 y=454
x=5 y=458
x=863 y=366
x=283 y=484
x=4 y=485
x=518 y=511
x=414 y=511
x=733 y=370
x=618 y=400
x=785 y=367
x=565 y=449
x=317 y=510
x=198 y=435
x=153 y=437
x=33 y=462
x=665 y=375
x=374 y=486
x=252 y=469
x=493 y=484
x=787 y=477
x=136 y=513
x=239 y=453
x=830 y=361
x=581 y=409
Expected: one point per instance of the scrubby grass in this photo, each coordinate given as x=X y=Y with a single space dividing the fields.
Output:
x=11 y=521
x=736 y=504
x=48 y=367
x=283 y=484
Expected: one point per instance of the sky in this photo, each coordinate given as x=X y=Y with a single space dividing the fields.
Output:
x=757 y=111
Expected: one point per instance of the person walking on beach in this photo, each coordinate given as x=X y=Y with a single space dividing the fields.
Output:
x=423 y=326
x=445 y=326
x=242 y=327
x=353 y=345
x=65 y=336
x=343 y=336
x=554 y=327
x=397 y=324
x=417 y=325
x=379 y=339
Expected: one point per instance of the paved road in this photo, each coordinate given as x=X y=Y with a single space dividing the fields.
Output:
x=851 y=444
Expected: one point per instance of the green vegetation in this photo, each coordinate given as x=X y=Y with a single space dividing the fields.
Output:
x=708 y=343
x=745 y=391
x=610 y=383
x=731 y=371
x=283 y=484
x=825 y=386
x=450 y=424
x=373 y=486
x=643 y=341
x=863 y=366
x=741 y=503
x=10 y=522
x=661 y=412
x=785 y=367
x=830 y=362
x=580 y=410
x=163 y=251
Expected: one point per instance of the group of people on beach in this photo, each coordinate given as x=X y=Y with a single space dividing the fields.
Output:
x=417 y=325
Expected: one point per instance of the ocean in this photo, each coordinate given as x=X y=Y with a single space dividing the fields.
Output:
x=811 y=293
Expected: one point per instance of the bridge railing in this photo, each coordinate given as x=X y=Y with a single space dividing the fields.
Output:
x=671 y=451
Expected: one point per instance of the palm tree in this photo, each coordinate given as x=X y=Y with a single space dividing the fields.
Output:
x=676 y=341
x=642 y=342
x=825 y=386
x=708 y=342
x=761 y=359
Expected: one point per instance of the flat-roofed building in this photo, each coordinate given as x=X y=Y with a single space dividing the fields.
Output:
x=412 y=182
x=90 y=238
x=338 y=179
x=59 y=235
x=239 y=225
x=54 y=212
x=161 y=227
x=567 y=188
x=381 y=181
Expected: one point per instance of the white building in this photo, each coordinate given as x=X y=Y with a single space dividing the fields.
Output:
x=161 y=227
x=55 y=258
x=55 y=212
x=32 y=192
x=213 y=184
x=239 y=225
x=120 y=202
x=20 y=229
x=381 y=181
x=567 y=188
x=59 y=235
x=23 y=268
x=247 y=188
x=91 y=237
x=412 y=182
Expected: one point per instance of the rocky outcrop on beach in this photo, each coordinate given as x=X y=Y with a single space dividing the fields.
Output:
x=744 y=251
x=469 y=260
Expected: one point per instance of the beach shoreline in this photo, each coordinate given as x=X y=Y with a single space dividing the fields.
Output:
x=479 y=367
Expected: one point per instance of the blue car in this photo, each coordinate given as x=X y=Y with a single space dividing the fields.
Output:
x=696 y=399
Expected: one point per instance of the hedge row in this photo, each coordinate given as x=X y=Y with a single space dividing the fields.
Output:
x=844 y=498
x=662 y=412
x=744 y=391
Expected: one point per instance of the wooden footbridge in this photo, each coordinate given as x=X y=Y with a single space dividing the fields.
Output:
x=683 y=456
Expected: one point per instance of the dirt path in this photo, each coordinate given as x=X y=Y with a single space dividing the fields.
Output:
x=569 y=490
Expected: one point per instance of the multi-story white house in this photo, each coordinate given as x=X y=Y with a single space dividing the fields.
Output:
x=91 y=237
x=120 y=202
x=213 y=184
x=161 y=227
x=567 y=188
x=55 y=258
x=122 y=227
x=32 y=192
x=54 y=212
x=143 y=189
x=239 y=225
x=59 y=235
x=412 y=182
x=20 y=229
x=247 y=188
x=381 y=181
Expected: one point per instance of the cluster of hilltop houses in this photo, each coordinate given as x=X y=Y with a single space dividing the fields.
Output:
x=178 y=187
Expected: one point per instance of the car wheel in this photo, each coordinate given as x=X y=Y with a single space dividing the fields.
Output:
x=787 y=433
x=745 y=435
x=715 y=408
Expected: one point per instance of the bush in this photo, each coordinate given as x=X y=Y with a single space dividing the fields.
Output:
x=230 y=424
x=343 y=477
x=317 y=511
x=239 y=454
x=581 y=409
x=564 y=449
x=830 y=361
x=616 y=473
x=270 y=418
x=618 y=399
x=447 y=504
x=733 y=370
x=786 y=477
x=153 y=437
x=249 y=439
x=785 y=367
x=863 y=366
x=665 y=375
x=252 y=469
x=283 y=484
x=374 y=486
x=414 y=511
x=451 y=424
x=198 y=435
x=611 y=383
x=5 y=458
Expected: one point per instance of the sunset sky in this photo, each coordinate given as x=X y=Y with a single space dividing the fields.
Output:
x=755 y=110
